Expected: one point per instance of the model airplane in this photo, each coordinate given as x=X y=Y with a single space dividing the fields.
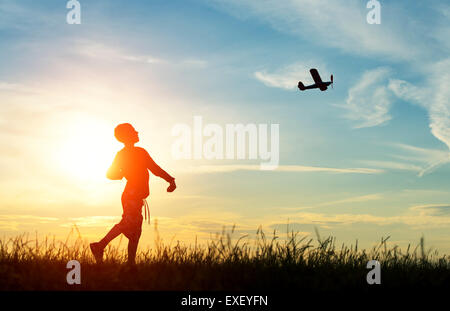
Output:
x=319 y=84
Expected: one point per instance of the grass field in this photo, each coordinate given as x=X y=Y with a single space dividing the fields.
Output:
x=285 y=262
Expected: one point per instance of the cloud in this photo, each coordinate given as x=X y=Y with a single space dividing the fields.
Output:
x=441 y=32
x=203 y=169
x=91 y=221
x=27 y=217
x=368 y=101
x=416 y=159
x=342 y=25
x=416 y=218
x=409 y=92
x=350 y=200
x=108 y=53
x=13 y=222
x=357 y=199
x=418 y=215
x=338 y=24
x=362 y=198
x=432 y=209
x=143 y=59
x=393 y=165
x=287 y=77
x=434 y=97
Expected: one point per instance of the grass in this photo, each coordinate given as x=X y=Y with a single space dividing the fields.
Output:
x=291 y=262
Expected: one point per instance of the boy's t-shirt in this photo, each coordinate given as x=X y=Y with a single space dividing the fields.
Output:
x=133 y=163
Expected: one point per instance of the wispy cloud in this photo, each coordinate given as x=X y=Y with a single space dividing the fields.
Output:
x=368 y=101
x=411 y=158
x=434 y=97
x=143 y=59
x=14 y=222
x=432 y=209
x=441 y=32
x=419 y=154
x=202 y=169
x=91 y=221
x=393 y=165
x=415 y=217
x=27 y=217
x=350 y=200
x=409 y=92
x=357 y=199
x=287 y=77
x=109 y=53
x=339 y=24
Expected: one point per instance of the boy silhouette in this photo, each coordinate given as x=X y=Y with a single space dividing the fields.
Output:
x=132 y=163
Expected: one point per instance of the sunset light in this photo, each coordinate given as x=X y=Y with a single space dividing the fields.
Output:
x=87 y=150
x=275 y=143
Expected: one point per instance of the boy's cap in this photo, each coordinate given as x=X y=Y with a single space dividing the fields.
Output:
x=122 y=131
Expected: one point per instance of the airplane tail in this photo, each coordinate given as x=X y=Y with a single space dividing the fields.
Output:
x=301 y=86
x=332 y=81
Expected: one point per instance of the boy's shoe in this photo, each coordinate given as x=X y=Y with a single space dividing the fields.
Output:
x=97 y=251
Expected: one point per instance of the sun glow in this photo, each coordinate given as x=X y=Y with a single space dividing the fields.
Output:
x=87 y=150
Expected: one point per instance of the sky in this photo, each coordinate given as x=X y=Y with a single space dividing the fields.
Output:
x=364 y=160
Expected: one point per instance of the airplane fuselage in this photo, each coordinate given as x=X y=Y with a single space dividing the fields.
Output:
x=323 y=86
x=319 y=84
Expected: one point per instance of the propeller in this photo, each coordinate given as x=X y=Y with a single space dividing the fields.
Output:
x=331 y=81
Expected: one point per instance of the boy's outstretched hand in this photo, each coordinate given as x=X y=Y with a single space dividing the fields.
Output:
x=172 y=186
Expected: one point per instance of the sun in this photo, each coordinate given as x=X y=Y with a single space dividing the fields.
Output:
x=87 y=149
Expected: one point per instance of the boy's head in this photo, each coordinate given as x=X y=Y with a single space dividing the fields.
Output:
x=125 y=133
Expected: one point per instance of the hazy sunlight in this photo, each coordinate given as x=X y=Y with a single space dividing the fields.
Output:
x=87 y=150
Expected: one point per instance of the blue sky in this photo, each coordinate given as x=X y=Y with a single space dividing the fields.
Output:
x=158 y=63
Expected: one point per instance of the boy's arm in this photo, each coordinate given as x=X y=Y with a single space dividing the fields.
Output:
x=115 y=172
x=158 y=171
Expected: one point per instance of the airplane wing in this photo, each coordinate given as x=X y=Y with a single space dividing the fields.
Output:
x=316 y=76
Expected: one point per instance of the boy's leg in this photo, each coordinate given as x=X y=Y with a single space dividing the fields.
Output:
x=132 y=226
x=117 y=229
x=132 y=249
x=111 y=235
x=133 y=241
x=98 y=247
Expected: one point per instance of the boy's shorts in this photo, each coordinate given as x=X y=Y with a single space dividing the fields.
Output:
x=131 y=223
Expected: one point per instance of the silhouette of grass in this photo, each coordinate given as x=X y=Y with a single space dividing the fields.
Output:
x=222 y=263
